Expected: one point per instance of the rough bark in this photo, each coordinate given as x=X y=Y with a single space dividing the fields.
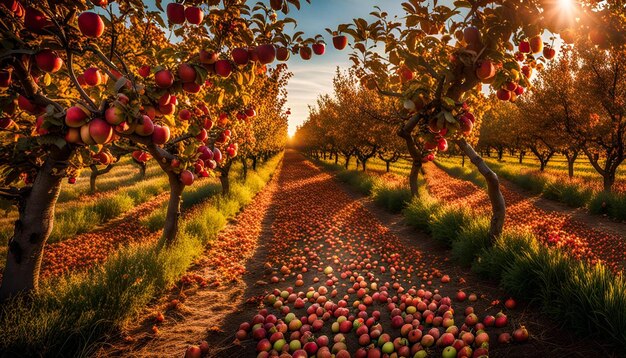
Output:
x=405 y=133
x=33 y=227
x=224 y=178
x=416 y=167
x=498 y=206
x=172 y=216
x=142 y=169
x=95 y=173
x=244 y=167
x=571 y=159
x=609 y=170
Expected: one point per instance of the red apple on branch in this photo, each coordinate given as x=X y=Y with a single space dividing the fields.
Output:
x=48 y=61
x=100 y=131
x=93 y=76
x=319 y=48
x=194 y=15
x=266 y=53
x=340 y=42
x=75 y=117
x=175 y=13
x=90 y=24
x=164 y=79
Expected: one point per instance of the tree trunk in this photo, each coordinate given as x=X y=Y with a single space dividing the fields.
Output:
x=364 y=163
x=498 y=205
x=521 y=156
x=254 y=160
x=170 y=230
x=347 y=161
x=542 y=164
x=571 y=159
x=387 y=164
x=33 y=227
x=413 y=177
x=244 y=167
x=336 y=158
x=500 y=153
x=225 y=179
x=92 y=181
x=463 y=159
x=609 y=180
x=142 y=169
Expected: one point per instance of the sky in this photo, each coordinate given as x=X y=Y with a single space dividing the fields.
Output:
x=314 y=77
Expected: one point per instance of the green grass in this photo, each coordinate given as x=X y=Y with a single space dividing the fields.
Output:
x=71 y=315
x=446 y=224
x=361 y=181
x=124 y=174
x=568 y=193
x=465 y=173
x=421 y=210
x=392 y=198
x=471 y=241
x=494 y=259
x=610 y=204
x=80 y=217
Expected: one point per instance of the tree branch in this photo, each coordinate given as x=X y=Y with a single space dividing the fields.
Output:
x=81 y=90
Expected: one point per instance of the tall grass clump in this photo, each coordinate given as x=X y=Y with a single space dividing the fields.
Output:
x=493 y=260
x=109 y=209
x=446 y=224
x=471 y=241
x=571 y=194
x=589 y=298
x=361 y=181
x=391 y=198
x=611 y=204
x=421 y=210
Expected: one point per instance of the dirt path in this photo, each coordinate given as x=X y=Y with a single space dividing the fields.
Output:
x=555 y=226
x=300 y=228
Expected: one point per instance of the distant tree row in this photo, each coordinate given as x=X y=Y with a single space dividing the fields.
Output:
x=577 y=108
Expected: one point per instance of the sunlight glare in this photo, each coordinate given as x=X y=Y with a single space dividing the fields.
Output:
x=566 y=5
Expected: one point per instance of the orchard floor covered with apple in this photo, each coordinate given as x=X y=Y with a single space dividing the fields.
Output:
x=553 y=228
x=310 y=268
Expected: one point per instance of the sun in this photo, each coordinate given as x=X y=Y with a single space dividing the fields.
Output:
x=567 y=5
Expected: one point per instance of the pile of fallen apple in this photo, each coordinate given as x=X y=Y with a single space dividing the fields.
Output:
x=422 y=324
